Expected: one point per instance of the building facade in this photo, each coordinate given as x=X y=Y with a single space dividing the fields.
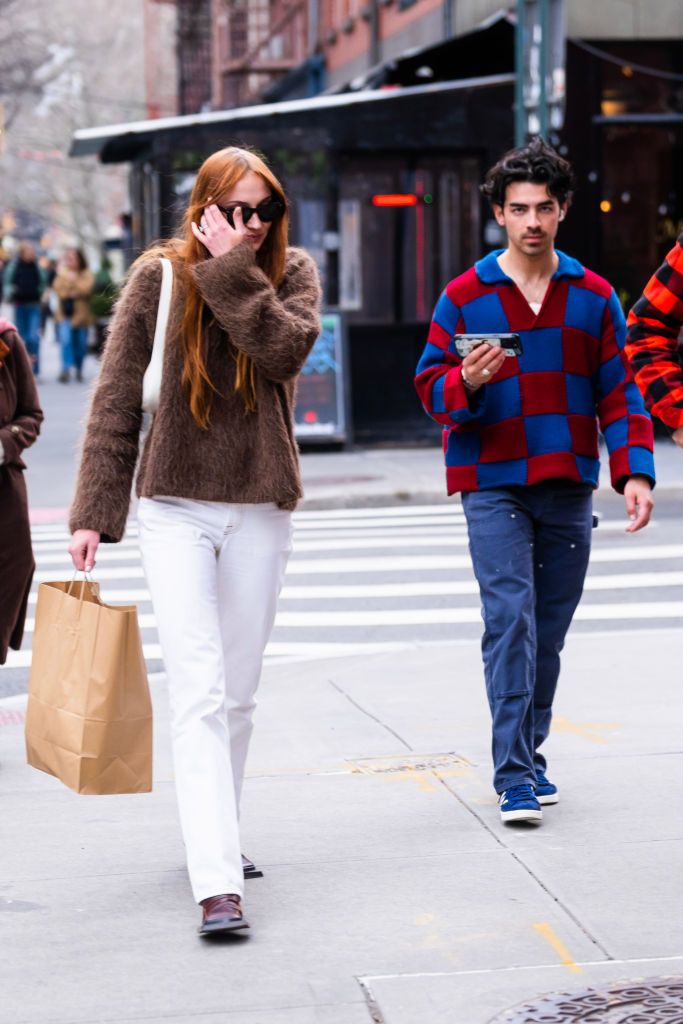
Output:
x=416 y=98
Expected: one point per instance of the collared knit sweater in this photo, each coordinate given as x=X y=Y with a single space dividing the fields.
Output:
x=538 y=418
x=242 y=457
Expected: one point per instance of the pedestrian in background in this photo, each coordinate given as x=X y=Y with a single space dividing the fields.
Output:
x=652 y=343
x=24 y=284
x=49 y=266
x=218 y=479
x=102 y=303
x=521 y=444
x=73 y=284
x=20 y=419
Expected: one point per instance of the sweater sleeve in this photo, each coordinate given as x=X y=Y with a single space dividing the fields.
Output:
x=24 y=427
x=623 y=418
x=276 y=328
x=110 y=445
x=438 y=377
x=654 y=325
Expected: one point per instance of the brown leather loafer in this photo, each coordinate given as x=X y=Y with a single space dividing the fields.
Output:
x=221 y=914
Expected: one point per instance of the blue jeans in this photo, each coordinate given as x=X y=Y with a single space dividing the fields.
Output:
x=27 y=322
x=530 y=548
x=73 y=343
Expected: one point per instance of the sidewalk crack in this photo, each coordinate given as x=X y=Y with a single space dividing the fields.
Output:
x=376 y=1015
x=532 y=874
x=369 y=714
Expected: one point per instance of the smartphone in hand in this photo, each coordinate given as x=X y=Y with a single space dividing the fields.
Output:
x=510 y=343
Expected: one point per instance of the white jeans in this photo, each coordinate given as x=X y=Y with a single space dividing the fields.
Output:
x=214 y=572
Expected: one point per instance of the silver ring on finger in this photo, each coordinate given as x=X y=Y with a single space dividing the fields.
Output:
x=486 y=372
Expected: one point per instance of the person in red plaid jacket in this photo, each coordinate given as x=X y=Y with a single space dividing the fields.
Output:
x=654 y=325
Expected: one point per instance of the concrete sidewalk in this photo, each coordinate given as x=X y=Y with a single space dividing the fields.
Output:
x=392 y=893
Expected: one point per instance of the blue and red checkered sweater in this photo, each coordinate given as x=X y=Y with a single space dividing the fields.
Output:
x=538 y=419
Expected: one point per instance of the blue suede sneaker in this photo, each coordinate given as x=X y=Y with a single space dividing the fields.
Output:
x=519 y=803
x=546 y=791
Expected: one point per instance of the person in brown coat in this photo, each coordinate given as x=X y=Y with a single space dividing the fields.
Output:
x=217 y=480
x=20 y=419
x=73 y=285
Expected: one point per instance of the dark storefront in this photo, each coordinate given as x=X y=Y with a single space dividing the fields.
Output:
x=383 y=267
x=624 y=133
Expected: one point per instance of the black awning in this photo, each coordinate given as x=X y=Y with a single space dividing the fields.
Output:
x=434 y=114
x=486 y=50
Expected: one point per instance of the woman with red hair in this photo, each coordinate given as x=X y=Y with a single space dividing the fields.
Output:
x=217 y=481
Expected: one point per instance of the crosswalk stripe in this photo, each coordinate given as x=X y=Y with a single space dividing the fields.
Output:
x=274 y=651
x=336 y=619
x=417 y=563
x=46 y=547
x=113 y=595
x=345 y=529
x=115 y=572
x=322 y=538
x=104 y=554
x=441 y=540
x=423 y=588
x=413 y=522
x=388 y=563
x=388 y=511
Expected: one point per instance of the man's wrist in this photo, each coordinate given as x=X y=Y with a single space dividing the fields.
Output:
x=468 y=383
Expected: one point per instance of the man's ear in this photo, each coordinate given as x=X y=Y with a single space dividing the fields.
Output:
x=498 y=214
x=563 y=211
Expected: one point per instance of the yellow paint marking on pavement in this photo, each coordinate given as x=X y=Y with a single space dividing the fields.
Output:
x=425 y=919
x=453 y=773
x=423 y=778
x=554 y=940
x=415 y=776
x=431 y=938
x=591 y=731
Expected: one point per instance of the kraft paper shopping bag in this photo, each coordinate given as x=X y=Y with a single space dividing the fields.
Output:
x=89 y=716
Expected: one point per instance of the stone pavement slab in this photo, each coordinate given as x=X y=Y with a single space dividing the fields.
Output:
x=347 y=1013
x=478 y=997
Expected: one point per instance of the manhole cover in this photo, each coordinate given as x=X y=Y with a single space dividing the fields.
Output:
x=643 y=1002
x=410 y=763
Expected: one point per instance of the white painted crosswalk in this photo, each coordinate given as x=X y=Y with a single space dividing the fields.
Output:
x=373 y=579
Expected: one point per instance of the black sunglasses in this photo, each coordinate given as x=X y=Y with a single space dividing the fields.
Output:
x=269 y=210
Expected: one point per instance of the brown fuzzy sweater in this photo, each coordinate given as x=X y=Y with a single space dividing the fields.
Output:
x=242 y=457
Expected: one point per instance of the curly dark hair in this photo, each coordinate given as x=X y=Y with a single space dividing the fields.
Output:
x=536 y=162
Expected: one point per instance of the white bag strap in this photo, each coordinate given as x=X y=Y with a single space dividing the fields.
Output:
x=151 y=383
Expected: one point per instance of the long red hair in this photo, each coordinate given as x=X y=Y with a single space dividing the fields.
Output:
x=218 y=174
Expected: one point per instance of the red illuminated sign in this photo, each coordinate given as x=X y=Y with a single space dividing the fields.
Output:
x=397 y=199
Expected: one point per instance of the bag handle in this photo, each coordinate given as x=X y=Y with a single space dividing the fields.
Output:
x=151 y=382
x=88 y=579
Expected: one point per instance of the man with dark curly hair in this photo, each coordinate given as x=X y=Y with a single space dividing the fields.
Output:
x=521 y=444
